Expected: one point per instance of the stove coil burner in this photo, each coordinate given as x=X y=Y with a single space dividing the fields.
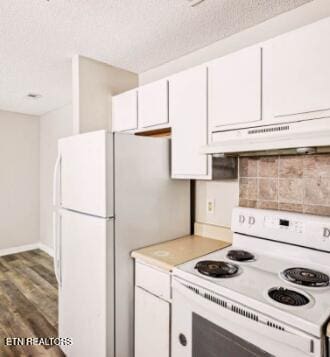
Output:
x=288 y=297
x=240 y=255
x=306 y=277
x=216 y=269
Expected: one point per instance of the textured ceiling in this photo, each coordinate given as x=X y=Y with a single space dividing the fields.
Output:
x=38 y=38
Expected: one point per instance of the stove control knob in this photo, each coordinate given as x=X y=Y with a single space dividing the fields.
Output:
x=252 y=220
x=183 y=339
x=241 y=218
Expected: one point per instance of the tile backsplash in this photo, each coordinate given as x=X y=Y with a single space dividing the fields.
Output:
x=291 y=183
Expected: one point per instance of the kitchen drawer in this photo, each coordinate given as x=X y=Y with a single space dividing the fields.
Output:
x=153 y=280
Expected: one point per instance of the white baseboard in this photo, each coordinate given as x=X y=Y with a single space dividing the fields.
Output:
x=46 y=248
x=27 y=247
x=19 y=249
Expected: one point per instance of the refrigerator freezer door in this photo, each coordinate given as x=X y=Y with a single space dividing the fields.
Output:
x=150 y=208
x=86 y=267
x=87 y=173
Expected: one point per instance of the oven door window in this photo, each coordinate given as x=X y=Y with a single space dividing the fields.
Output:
x=210 y=340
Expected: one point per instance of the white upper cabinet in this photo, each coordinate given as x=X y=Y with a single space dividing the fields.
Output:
x=188 y=117
x=153 y=104
x=297 y=66
x=124 y=111
x=235 y=89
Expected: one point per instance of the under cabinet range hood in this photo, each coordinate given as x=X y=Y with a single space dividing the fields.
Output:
x=300 y=137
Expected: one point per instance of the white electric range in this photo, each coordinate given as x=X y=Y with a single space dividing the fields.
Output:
x=266 y=295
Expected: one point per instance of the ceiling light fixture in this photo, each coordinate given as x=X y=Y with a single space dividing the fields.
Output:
x=34 y=96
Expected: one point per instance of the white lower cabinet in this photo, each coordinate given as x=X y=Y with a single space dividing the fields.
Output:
x=152 y=313
x=152 y=325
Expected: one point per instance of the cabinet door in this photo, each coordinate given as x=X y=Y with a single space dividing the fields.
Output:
x=124 y=111
x=300 y=72
x=235 y=85
x=188 y=116
x=152 y=325
x=153 y=104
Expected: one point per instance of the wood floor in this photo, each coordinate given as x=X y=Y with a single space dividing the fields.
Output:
x=28 y=302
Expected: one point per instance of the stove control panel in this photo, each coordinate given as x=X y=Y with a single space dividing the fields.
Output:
x=295 y=228
x=284 y=224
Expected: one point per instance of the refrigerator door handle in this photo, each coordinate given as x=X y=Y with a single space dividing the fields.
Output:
x=56 y=250
x=56 y=216
x=59 y=253
x=56 y=182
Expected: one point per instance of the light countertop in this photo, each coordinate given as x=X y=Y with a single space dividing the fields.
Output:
x=168 y=254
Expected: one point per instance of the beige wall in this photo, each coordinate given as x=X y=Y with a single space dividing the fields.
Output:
x=53 y=126
x=19 y=179
x=93 y=85
x=226 y=193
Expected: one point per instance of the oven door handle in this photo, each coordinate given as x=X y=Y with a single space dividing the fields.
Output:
x=293 y=338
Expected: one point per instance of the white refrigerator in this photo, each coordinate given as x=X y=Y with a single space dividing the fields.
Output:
x=112 y=194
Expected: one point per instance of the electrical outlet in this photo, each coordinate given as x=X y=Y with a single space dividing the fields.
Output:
x=210 y=206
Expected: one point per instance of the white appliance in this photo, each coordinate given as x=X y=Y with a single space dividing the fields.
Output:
x=266 y=295
x=284 y=136
x=114 y=194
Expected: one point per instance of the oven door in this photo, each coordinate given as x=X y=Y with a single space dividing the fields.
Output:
x=209 y=325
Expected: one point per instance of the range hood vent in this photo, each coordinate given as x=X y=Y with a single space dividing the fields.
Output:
x=268 y=130
x=298 y=137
